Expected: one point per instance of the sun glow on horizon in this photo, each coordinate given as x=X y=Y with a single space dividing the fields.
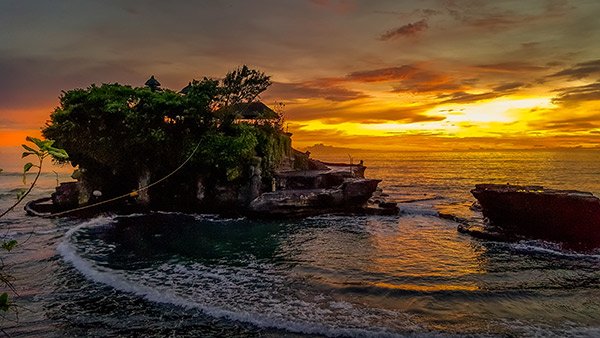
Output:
x=475 y=119
x=501 y=110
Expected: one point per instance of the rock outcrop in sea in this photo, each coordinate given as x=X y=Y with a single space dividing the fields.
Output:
x=212 y=147
x=332 y=188
x=568 y=216
x=301 y=187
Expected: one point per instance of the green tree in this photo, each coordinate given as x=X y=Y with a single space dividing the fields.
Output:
x=226 y=155
x=115 y=132
x=240 y=86
x=243 y=85
x=42 y=150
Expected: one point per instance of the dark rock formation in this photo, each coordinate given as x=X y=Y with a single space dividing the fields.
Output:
x=325 y=177
x=303 y=186
x=358 y=191
x=487 y=232
x=350 y=196
x=320 y=187
x=296 y=202
x=66 y=195
x=566 y=216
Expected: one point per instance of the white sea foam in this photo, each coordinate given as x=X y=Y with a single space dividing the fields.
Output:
x=550 y=248
x=415 y=199
x=201 y=217
x=136 y=214
x=524 y=328
x=230 y=293
x=418 y=210
x=327 y=217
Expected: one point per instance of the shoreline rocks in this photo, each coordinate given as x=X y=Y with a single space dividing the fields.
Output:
x=323 y=188
x=349 y=197
x=566 y=216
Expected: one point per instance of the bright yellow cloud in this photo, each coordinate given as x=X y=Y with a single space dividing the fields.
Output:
x=503 y=110
x=476 y=119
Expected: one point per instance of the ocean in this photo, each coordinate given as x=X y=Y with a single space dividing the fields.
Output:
x=173 y=274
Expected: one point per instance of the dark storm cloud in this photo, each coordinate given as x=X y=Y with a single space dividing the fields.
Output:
x=463 y=97
x=509 y=86
x=409 y=79
x=580 y=70
x=489 y=16
x=578 y=94
x=311 y=90
x=31 y=82
x=383 y=74
x=573 y=124
x=410 y=29
x=511 y=67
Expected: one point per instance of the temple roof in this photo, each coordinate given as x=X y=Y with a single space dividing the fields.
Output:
x=251 y=111
x=185 y=90
x=152 y=83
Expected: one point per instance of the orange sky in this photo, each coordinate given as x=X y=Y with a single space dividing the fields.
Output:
x=427 y=75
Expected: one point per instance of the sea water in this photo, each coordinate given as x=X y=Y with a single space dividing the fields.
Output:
x=171 y=274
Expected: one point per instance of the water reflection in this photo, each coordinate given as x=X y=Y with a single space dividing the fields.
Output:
x=189 y=275
x=404 y=252
x=364 y=272
x=156 y=238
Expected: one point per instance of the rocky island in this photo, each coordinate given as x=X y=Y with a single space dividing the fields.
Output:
x=211 y=147
x=566 y=216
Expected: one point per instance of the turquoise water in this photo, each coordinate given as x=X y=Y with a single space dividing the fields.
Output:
x=167 y=274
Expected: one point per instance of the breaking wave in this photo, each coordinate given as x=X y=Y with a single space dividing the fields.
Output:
x=251 y=294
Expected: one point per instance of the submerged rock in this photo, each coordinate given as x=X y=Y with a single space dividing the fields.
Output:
x=566 y=216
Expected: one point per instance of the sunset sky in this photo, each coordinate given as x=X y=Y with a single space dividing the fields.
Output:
x=403 y=75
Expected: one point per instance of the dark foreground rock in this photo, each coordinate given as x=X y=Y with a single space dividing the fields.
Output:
x=567 y=216
x=66 y=195
x=351 y=196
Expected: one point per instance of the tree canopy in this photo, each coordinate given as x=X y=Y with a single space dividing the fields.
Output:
x=118 y=130
x=243 y=85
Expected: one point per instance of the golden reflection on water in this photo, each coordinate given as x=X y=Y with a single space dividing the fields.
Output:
x=417 y=249
x=426 y=288
x=401 y=253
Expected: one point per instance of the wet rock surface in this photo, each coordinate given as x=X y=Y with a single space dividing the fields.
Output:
x=567 y=216
x=349 y=197
x=324 y=188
